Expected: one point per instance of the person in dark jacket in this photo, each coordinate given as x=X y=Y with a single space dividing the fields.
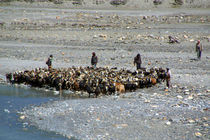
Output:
x=94 y=60
x=49 y=62
x=168 y=78
x=137 y=61
x=199 y=49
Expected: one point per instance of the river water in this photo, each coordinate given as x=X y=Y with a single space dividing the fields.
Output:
x=14 y=99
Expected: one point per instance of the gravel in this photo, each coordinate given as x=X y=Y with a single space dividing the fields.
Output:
x=180 y=112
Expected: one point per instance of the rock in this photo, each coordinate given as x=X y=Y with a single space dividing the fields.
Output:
x=147 y=101
x=191 y=121
x=174 y=86
x=164 y=118
x=168 y=123
x=198 y=134
x=56 y=92
x=154 y=94
x=6 y=110
x=22 y=117
x=206 y=124
x=121 y=125
x=179 y=97
x=185 y=36
x=205 y=118
x=190 y=97
x=154 y=106
x=102 y=36
x=199 y=94
x=144 y=17
x=166 y=90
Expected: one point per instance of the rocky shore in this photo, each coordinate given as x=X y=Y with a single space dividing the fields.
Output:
x=29 y=34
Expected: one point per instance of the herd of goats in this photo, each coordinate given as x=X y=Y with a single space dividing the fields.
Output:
x=91 y=80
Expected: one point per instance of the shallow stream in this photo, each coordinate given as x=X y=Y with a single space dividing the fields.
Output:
x=14 y=99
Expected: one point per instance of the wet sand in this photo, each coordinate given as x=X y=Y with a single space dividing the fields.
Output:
x=30 y=35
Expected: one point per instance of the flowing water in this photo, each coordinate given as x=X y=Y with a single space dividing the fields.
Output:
x=14 y=99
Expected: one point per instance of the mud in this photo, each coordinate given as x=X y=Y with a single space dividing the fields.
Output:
x=29 y=35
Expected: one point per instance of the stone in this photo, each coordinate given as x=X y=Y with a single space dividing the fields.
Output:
x=190 y=97
x=191 y=121
x=147 y=101
x=179 y=97
x=198 y=134
x=168 y=123
x=22 y=117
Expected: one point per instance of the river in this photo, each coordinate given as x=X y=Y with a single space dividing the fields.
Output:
x=14 y=99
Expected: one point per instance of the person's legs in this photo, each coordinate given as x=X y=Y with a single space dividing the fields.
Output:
x=94 y=66
x=49 y=67
x=199 y=54
x=138 y=66
x=168 y=83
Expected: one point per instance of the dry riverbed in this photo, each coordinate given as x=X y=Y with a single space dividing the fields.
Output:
x=29 y=35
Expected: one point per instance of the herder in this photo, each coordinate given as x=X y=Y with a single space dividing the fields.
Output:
x=168 y=77
x=199 y=49
x=49 y=62
x=137 y=61
x=94 y=60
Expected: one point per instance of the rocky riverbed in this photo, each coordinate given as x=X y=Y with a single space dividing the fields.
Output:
x=29 y=34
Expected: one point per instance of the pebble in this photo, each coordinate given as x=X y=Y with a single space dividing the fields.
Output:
x=179 y=97
x=198 y=134
x=191 y=121
x=6 y=110
x=190 y=97
x=56 y=92
x=186 y=93
x=206 y=125
x=168 y=123
x=147 y=101
x=22 y=117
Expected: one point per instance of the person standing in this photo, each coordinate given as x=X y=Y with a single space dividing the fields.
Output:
x=137 y=61
x=168 y=77
x=199 y=49
x=49 y=62
x=94 y=60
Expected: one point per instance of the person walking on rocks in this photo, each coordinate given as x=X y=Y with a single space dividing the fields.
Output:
x=137 y=61
x=199 y=49
x=94 y=60
x=49 y=62
x=168 y=77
